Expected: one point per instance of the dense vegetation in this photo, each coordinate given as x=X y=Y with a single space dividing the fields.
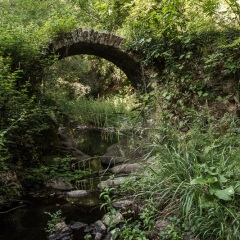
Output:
x=190 y=133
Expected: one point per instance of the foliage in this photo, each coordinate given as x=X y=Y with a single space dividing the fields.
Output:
x=77 y=76
x=59 y=168
x=55 y=219
x=104 y=15
x=196 y=177
x=132 y=231
x=102 y=112
x=106 y=195
x=171 y=233
x=26 y=27
x=194 y=46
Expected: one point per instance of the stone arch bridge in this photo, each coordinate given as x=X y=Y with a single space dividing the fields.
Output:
x=104 y=45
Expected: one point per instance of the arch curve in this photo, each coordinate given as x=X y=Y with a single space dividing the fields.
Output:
x=104 y=45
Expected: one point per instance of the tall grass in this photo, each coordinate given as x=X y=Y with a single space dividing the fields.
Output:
x=195 y=176
x=112 y=111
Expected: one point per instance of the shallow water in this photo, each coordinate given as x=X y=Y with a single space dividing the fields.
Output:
x=29 y=223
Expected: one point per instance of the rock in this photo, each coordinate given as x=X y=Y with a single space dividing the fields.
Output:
x=122 y=204
x=122 y=152
x=67 y=144
x=78 y=154
x=59 y=184
x=62 y=232
x=112 y=234
x=62 y=226
x=125 y=168
x=89 y=228
x=114 y=155
x=99 y=226
x=111 y=183
x=112 y=219
x=60 y=236
x=161 y=225
x=78 y=225
x=67 y=141
x=77 y=193
x=98 y=236
x=113 y=160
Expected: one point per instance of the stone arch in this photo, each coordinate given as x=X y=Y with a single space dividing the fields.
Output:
x=104 y=45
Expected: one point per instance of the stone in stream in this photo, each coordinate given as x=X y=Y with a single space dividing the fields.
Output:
x=113 y=155
x=122 y=204
x=67 y=141
x=122 y=152
x=68 y=144
x=98 y=236
x=79 y=155
x=111 y=235
x=62 y=232
x=78 y=225
x=59 y=184
x=125 y=168
x=111 y=183
x=99 y=226
x=112 y=219
x=77 y=193
x=89 y=228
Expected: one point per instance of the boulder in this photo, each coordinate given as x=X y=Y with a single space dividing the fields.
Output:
x=67 y=141
x=67 y=144
x=122 y=204
x=122 y=152
x=112 y=234
x=62 y=232
x=77 y=193
x=112 y=219
x=98 y=236
x=78 y=225
x=125 y=168
x=59 y=184
x=114 y=155
x=78 y=154
x=99 y=226
x=80 y=159
x=111 y=183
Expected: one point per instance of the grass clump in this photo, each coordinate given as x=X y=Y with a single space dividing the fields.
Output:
x=102 y=112
x=194 y=176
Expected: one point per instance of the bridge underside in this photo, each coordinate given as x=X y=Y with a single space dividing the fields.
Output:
x=103 y=45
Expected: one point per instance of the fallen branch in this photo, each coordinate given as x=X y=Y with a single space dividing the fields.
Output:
x=12 y=209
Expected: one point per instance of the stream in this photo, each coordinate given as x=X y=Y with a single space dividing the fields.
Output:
x=29 y=220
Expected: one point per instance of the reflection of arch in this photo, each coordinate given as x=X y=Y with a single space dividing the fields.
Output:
x=104 y=45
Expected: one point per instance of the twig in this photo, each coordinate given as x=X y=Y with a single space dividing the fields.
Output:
x=13 y=209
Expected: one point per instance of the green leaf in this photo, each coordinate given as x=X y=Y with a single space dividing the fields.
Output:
x=207 y=201
x=222 y=179
x=198 y=180
x=225 y=194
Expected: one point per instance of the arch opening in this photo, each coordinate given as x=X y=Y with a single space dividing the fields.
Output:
x=103 y=45
x=85 y=75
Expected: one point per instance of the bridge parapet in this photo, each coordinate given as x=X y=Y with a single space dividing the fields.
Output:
x=88 y=36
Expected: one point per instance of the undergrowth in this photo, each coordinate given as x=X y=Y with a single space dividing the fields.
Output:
x=193 y=176
x=102 y=112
